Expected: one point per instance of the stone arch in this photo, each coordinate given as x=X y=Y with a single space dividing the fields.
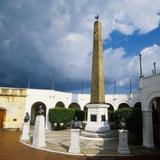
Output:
x=74 y=105
x=110 y=108
x=60 y=104
x=34 y=111
x=137 y=105
x=136 y=100
x=148 y=100
x=123 y=105
x=2 y=117
x=148 y=119
x=155 y=103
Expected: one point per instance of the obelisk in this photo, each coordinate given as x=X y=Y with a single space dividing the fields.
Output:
x=97 y=84
x=97 y=119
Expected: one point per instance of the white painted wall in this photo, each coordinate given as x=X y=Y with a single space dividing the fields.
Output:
x=150 y=88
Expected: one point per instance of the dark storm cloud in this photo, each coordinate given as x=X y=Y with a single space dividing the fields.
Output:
x=54 y=37
x=33 y=39
x=20 y=23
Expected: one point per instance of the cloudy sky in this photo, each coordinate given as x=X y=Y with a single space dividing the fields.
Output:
x=52 y=39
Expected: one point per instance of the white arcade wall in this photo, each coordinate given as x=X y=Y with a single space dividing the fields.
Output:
x=14 y=102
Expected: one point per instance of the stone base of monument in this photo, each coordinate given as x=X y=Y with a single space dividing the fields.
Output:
x=107 y=134
x=97 y=119
x=25 y=131
x=39 y=132
x=74 y=142
x=97 y=130
x=123 y=142
x=102 y=140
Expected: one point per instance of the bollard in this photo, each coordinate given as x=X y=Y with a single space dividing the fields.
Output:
x=39 y=132
x=74 y=142
x=25 y=131
x=123 y=142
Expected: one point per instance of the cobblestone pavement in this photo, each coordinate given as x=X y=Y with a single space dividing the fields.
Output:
x=12 y=149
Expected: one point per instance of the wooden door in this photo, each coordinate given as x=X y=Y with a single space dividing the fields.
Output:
x=2 y=114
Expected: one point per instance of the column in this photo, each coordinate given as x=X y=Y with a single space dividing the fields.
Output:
x=147 y=129
x=48 y=124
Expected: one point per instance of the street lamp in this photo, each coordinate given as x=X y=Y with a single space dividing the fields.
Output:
x=140 y=65
x=52 y=82
x=29 y=80
x=67 y=84
x=82 y=83
x=115 y=87
x=154 y=65
x=130 y=86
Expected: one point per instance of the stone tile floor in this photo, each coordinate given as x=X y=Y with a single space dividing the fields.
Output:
x=60 y=141
x=12 y=149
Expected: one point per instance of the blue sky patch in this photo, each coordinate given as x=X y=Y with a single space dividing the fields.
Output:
x=132 y=44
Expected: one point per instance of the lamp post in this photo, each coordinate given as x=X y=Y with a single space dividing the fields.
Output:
x=67 y=84
x=154 y=65
x=29 y=80
x=82 y=83
x=130 y=86
x=114 y=87
x=52 y=82
x=140 y=62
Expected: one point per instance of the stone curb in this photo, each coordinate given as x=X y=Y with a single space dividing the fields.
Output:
x=79 y=154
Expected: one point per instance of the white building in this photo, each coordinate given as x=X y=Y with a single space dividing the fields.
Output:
x=14 y=102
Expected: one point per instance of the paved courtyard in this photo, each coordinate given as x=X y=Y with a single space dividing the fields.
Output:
x=12 y=149
x=60 y=140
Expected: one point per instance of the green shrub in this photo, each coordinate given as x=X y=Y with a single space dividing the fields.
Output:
x=133 y=119
x=123 y=105
x=63 y=115
x=120 y=115
x=111 y=116
x=134 y=124
x=110 y=108
x=80 y=115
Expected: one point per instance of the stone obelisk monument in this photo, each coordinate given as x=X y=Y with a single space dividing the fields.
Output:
x=97 y=119
x=97 y=88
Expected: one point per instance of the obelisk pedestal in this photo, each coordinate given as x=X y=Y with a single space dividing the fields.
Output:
x=74 y=142
x=25 y=131
x=39 y=132
x=97 y=119
x=123 y=142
